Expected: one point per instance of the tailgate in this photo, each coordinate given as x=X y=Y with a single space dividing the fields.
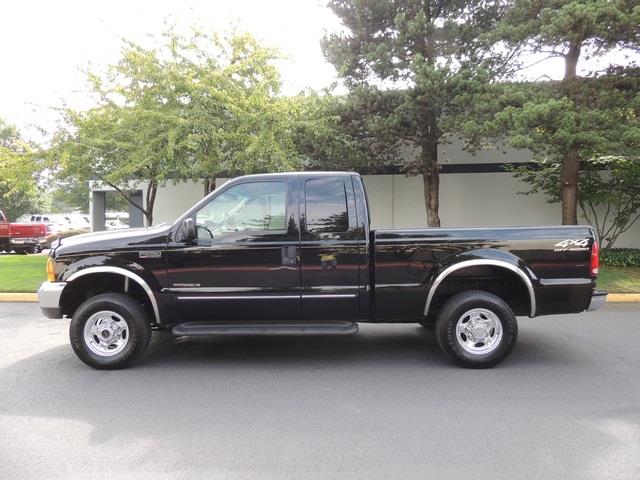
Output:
x=27 y=230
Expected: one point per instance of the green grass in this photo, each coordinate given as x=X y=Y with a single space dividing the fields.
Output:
x=22 y=273
x=619 y=279
x=25 y=273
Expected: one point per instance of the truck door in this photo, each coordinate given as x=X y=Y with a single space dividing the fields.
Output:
x=329 y=249
x=244 y=265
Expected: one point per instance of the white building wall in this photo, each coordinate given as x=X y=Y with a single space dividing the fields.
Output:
x=466 y=200
x=397 y=201
x=173 y=200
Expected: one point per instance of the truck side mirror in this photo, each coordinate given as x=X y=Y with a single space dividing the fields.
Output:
x=188 y=232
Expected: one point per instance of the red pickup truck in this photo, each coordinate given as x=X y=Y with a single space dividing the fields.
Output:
x=21 y=237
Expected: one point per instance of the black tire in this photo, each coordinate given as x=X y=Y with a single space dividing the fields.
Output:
x=27 y=250
x=452 y=312
x=137 y=323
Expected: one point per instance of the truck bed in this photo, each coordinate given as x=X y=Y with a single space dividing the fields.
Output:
x=556 y=259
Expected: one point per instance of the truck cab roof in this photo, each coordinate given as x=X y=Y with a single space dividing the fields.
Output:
x=257 y=176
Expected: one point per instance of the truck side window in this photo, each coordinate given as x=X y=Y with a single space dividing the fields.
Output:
x=326 y=205
x=247 y=207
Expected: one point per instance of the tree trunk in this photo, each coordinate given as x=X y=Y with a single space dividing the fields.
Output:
x=569 y=179
x=571 y=61
x=431 y=181
x=152 y=189
x=134 y=204
x=209 y=185
x=571 y=160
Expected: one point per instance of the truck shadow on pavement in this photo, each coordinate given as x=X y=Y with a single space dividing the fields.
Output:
x=409 y=346
x=402 y=345
x=189 y=385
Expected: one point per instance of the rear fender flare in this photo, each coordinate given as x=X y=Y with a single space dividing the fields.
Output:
x=474 y=259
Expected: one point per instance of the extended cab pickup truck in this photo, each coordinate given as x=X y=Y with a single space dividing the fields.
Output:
x=294 y=254
x=22 y=237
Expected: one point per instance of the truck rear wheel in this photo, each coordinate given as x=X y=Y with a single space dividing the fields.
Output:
x=476 y=329
x=109 y=331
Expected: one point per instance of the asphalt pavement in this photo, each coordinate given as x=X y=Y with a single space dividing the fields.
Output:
x=383 y=404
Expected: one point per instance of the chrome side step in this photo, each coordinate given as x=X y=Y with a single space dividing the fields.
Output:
x=201 y=329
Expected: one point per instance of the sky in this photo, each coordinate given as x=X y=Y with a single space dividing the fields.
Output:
x=47 y=46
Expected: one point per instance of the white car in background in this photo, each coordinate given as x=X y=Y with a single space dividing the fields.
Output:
x=78 y=221
x=115 y=225
x=55 y=222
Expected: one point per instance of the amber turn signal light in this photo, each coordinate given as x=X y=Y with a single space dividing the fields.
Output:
x=51 y=270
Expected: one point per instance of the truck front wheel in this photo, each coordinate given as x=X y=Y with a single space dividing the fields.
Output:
x=109 y=331
x=476 y=329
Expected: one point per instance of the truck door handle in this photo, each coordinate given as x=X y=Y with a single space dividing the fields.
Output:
x=289 y=255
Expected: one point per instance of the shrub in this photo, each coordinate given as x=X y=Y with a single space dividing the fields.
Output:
x=620 y=257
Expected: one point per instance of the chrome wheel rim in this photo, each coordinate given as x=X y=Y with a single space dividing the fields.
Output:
x=479 y=331
x=106 y=333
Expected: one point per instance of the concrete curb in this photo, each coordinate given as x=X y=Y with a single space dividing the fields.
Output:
x=623 y=297
x=33 y=297
x=18 y=297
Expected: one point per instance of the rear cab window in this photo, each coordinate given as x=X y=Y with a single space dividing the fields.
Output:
x=326 y=209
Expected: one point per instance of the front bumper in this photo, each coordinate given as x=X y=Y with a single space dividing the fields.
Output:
x=49 y=295
x=598 y=299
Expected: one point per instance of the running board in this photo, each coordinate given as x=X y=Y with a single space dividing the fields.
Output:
x=201 y=329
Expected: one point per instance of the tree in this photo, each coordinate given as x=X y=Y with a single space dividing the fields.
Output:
x=570 y=29
x=338 y=132
x=190 y=109
x=600 y=121
x=69 y=195
x=429 y=52
x=609 y=192
x=19 y=167
x=237 y=122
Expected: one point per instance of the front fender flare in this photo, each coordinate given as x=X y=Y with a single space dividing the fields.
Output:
x=126 y=273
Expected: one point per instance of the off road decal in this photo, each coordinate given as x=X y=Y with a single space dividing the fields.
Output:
x=572 y=245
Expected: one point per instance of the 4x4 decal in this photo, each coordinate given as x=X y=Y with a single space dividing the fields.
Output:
x=572 y=245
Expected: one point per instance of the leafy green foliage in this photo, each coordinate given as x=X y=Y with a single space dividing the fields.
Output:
x=597 y=119
x=601 y=117
x=70 y=195
x=551 y=26
x=19 y=166
x=609 y=192
x=571 y=29
x=620 y=257
x=427 y=53
x=192 y=108
x=345 y=132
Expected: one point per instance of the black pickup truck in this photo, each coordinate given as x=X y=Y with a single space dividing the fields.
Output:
x=293 y=253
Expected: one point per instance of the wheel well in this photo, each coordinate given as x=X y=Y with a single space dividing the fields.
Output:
x=92 y=284
x=503 y=283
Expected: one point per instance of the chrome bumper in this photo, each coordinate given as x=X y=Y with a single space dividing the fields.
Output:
x=598 y=299
x=28 y=241
x=49 y=298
